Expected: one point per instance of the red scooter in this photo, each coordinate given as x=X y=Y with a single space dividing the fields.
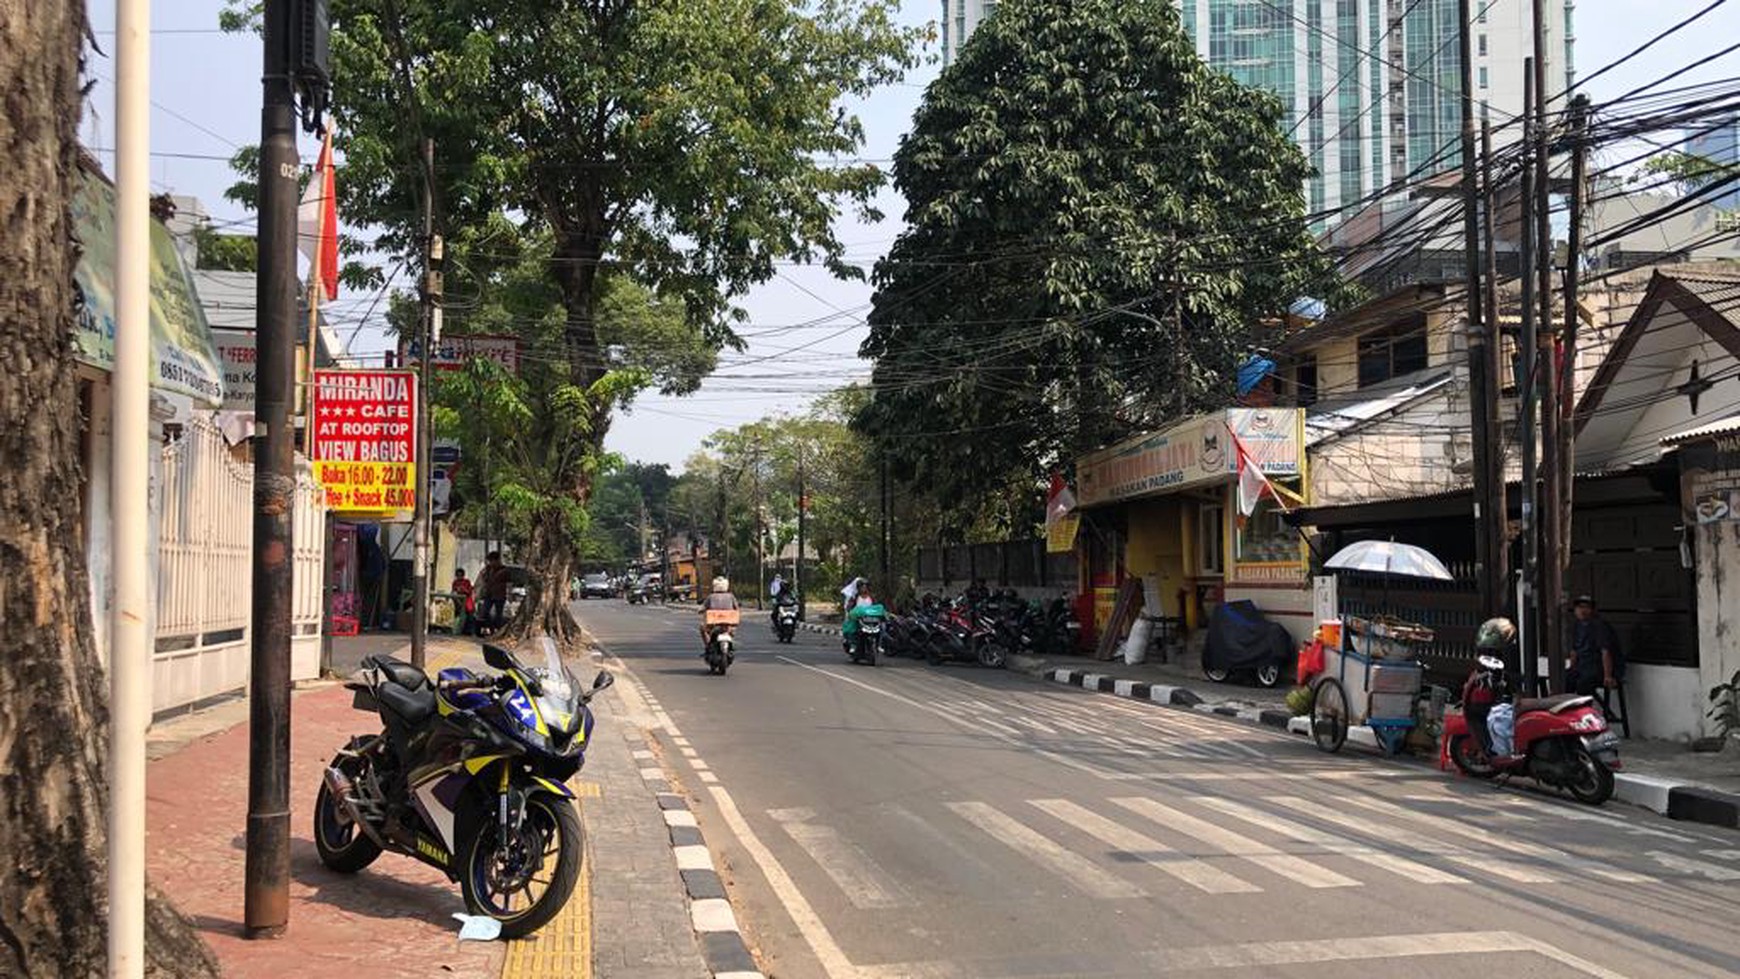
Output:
x=1561 y=741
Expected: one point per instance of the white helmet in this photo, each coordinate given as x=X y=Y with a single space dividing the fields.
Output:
x=721 y=584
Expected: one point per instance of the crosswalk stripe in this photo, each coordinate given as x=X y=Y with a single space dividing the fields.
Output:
x=1410 y=869
x=1196 y=873
x=1486 y=837
x=1256 y=852
x=1714 y=871
x=1030 y=843
x=1545 y=807
x=864 y=883
x=1416 y=841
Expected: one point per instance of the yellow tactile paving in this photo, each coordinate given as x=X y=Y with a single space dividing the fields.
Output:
x=561 y=949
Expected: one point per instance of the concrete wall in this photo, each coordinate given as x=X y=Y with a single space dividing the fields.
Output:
x=1664 y=701
x=1716 y=554
x=1424 y=448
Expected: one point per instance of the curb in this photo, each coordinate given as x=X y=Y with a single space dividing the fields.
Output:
x=1681 y=801
x=821 y=630
x=716 y=930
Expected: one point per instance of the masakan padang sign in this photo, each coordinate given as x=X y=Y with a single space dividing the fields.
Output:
x=1195 y=452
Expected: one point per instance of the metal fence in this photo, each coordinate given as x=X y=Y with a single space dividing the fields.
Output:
x=1004 y=564
x=205 y=571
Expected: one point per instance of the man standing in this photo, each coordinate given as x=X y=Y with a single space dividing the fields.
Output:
x=1596 y=659
x=494 y=582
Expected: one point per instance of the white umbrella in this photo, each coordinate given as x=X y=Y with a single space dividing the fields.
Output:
x=1388 y=557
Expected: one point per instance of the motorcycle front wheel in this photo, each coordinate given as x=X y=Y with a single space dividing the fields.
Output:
x=523 y=881
x=992 y=655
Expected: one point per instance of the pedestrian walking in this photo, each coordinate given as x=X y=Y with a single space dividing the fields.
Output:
x=495 y=592
x=1596 y=660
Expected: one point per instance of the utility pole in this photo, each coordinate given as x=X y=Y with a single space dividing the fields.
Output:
x=1567 y=471
x=723 y=534
x=797 y=566
x=1528 y=640
x=266 y=877
x=1550 y=582
x=130 y=617
x=429 y=328
x=760 y=531
x=886 y=585
x=1498 y=502
x=1487 y=520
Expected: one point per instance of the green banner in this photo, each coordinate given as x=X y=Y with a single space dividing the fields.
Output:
x=184 y=359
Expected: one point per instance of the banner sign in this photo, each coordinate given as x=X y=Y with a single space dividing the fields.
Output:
x=364 y=440
x=453 y=351
x=182 y=358
x=235 y=350
x=1060 y=535
x=1192 y=453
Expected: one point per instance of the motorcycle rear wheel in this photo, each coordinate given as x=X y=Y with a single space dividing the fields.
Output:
x=340 y=842
x=551 y=822
x=992 y=655
x=1593 y=783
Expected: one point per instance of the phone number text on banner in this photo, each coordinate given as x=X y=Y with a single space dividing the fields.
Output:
x=365 y=440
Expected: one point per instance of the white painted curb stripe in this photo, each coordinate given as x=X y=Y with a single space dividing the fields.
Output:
x=693 y=858
x=680 y=817
x=713 y=914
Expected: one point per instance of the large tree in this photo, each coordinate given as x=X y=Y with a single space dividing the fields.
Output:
x=684 y=144
x=53 y=711
x=1098 y=222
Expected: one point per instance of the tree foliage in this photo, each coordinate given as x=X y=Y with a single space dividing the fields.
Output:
x=1690 y=171
x=1097 y=224
x=680 y=145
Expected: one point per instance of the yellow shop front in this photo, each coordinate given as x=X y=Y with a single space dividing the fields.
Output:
x=1163 y=508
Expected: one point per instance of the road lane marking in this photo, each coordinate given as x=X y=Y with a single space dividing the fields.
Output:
x=1410 y=869
x=1415 y=841
x=1197 y=873
x=1255 y=955
x=1252 y=851
x=1687 y=865
x=1030 y=843
x=1484 y=836
x=857 y=876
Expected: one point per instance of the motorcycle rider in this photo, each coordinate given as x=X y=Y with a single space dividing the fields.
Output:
x=865 y=604
x=720 y=599
x=1486 y=694
x=783 y=596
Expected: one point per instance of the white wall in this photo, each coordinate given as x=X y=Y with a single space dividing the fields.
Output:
x=1664 y=701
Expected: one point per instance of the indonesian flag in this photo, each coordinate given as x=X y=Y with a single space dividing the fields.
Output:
x=1252 y=483
x=317 y=225
x=1058 y=500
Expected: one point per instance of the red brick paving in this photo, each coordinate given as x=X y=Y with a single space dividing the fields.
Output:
x=393 y=919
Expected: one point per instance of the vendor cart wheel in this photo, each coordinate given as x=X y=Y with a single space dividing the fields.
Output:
x=1329 y=715
x=1268 y=676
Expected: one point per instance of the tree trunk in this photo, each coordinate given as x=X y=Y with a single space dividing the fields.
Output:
x=53 y=713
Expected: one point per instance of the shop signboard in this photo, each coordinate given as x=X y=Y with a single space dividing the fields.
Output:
x=236 y=351
x=454 y=350
x=365 y=441
x=1060 y=534
x=1196 y=452
x=182 y=358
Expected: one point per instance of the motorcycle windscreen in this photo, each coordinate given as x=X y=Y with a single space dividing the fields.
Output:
x=1240 y=638
x=558 y=692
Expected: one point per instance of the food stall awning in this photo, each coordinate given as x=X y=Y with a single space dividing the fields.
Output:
x=1195 y=453
x=184 y=358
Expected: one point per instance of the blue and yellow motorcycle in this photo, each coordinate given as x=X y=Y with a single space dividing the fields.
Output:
x=468 y=775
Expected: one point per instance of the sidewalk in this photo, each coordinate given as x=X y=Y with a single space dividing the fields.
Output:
x=1664 y=777
x=388 y=921
x=394 y=919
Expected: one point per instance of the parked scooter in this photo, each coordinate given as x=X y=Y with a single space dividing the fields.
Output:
x=966 y=635
x=1562 y=742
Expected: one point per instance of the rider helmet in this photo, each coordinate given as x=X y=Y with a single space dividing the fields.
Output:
x=721 y=584
x=1495 y=634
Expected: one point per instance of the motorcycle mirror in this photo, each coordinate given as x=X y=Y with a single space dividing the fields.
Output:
x=603 y=680
x=498 y=657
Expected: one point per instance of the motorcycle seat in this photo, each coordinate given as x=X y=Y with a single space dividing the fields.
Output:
x=414 y=706
x=398 y=671
x=1556 y=704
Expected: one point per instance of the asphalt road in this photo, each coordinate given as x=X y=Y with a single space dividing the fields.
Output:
x=922 y=822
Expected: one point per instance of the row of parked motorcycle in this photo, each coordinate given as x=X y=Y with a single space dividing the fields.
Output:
x=984 y=629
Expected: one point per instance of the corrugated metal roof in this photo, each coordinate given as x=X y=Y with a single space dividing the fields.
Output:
x=1721 y=426
x=1325 y=420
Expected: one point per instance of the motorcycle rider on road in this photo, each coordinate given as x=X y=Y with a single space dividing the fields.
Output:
x=720 y=599
x=864 y=604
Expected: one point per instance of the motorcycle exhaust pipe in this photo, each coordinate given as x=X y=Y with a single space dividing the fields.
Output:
x=340 y=787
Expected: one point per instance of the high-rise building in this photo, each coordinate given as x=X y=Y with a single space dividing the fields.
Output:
x=1719 y=144
x=1371 y=88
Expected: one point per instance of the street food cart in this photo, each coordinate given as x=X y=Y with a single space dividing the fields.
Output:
x=1371 y=671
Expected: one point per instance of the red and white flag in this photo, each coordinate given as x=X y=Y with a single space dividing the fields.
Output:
x=317 y=224
x=1252 y=483
x=1059 y=501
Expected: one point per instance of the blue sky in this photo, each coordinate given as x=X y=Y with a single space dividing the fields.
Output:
x=804 y=326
